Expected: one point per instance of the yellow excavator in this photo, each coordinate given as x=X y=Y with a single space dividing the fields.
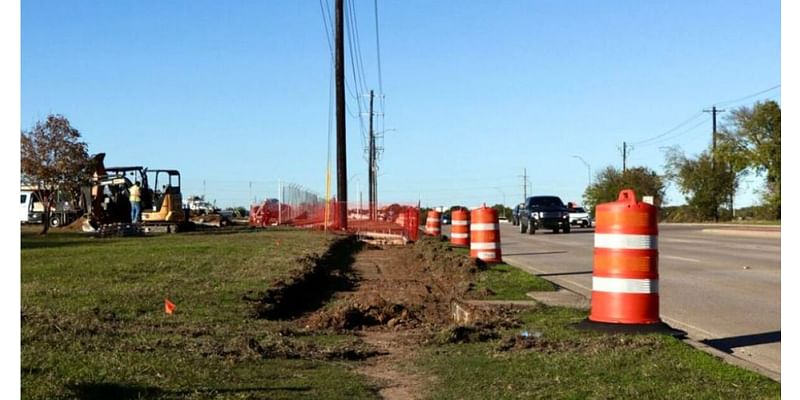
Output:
x=109 y=207
x=167 y=201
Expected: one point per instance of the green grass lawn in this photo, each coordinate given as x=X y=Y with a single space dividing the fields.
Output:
x=754 y=222
x=94 y=326
x=564 y=363
x=506 y=282
x=510 y=283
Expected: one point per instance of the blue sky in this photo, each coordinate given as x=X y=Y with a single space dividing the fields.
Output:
x=236 y=93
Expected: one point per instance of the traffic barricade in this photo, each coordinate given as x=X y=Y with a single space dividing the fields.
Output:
x=484 y=229
x=625 y=271
x=433 y=224
x=459 y=228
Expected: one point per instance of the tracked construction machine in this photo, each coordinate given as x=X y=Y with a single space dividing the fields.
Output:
x=110 y=210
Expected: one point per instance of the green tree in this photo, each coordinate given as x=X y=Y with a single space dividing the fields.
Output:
x=610 y=181
x=53 y=159
x=704 y=186
x=502 y=211
x=756 y=133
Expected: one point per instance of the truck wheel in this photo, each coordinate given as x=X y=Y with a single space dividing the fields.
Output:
x=532 y=229
x=567 y=229
x=584 y=224
x=55 y=222
x=555 y=230
x=522 y=227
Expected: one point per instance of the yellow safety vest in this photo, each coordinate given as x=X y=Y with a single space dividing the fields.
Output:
x=135 y=194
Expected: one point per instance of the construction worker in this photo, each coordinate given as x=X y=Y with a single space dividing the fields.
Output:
x=136 y=202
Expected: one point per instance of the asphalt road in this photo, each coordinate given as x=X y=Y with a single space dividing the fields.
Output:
x=724 y=290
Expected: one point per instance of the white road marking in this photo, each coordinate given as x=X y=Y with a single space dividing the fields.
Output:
x=681 y=258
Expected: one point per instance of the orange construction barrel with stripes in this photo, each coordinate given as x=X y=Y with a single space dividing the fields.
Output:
x=625 y=272
x=459 y=231
x=433 y=224
x=484 y=232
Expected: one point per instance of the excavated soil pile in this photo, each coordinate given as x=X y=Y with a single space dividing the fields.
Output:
x=400 y=288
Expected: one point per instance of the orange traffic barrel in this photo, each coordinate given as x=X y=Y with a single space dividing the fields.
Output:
x=484 y=232
x=433 y=224
x=459 y=231
x=625 y=272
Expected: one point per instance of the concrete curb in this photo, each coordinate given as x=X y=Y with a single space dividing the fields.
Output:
x=744 y=232
x=574 y=290
x=561 y=297
x=731 y=359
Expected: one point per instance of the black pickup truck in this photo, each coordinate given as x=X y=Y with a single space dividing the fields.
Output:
x=543 y=212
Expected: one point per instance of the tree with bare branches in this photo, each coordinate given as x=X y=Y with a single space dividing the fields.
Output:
x=53 y=159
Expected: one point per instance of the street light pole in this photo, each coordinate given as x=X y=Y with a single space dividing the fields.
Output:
x=588 y=167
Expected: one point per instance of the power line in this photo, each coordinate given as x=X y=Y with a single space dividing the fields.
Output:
x=667 y=132
x=357 y=40
x=378 y=49
x=728 y=102
x=679 y=134
x=359 y=80
x=325 y=21
x=647 y=142
x=328 y=23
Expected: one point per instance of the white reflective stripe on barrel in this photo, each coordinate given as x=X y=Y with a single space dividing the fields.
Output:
x=623 y=285
x=484 y=246
x=487 y=254
x=459 y=235
x=484 y=227
x=459 y=222
x=624 y=241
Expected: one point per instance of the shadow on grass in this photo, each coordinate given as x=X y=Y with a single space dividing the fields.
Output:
x=29 y=242
x=106 y=390
x=48 y=243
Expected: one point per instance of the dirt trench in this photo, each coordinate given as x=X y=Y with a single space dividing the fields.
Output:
x=394 y=299
x=401 y=298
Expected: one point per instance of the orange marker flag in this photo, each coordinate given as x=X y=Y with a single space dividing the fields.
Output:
x=169 y=306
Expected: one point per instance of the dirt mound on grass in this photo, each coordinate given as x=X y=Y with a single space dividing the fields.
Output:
x=400 y=288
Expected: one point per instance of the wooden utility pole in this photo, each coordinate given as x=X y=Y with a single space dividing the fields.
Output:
x=624 y=156
x=372 y=192
x=714 y=113
x=341 y=133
